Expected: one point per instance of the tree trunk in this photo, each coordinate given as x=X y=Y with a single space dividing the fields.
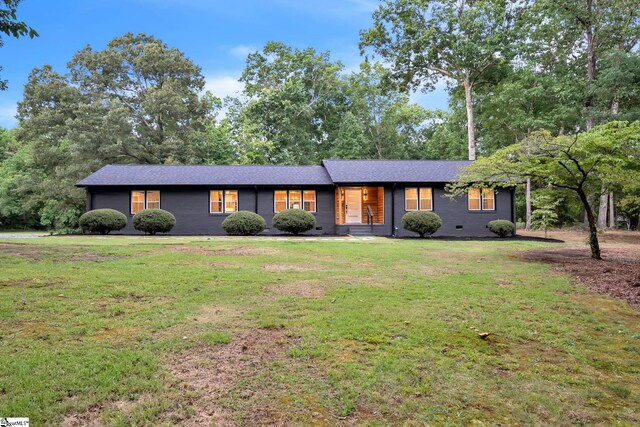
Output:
x=591 y=65
x=471 y=126
x=593 y=227
x=612 y=211
x=602 y=210
x=527 y=202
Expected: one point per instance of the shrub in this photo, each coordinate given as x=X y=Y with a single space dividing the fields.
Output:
x=154 y=221
x=102 y=221
x=294 y=221
x=423 y=223
x=244 y=223
x=502 y=227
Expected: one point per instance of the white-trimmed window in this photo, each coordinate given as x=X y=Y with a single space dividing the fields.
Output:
x=418 y=199
x=488 y=199
x=294 y=199
x=223 y=201
x=481 y=199
x=141 y=200
x=309 y=198
x=279 y=201
x=411 y=199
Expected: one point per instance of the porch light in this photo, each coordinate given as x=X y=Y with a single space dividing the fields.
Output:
x=364 y=194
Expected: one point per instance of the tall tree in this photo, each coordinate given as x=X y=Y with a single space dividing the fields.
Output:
x=11 y=26
x=295 y=101
x=456 y=41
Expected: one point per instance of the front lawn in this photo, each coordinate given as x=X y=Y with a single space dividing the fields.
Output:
x=197 y=331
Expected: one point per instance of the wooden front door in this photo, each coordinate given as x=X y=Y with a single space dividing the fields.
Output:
x=353 y=205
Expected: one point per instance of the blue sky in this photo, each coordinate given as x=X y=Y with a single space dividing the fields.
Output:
x=214 y=34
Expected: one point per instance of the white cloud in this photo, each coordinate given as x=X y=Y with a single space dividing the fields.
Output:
x=222 y=85
x=242 y=50
x=8 y=113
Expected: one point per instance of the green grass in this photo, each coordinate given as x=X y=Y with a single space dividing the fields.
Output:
x=372 y=332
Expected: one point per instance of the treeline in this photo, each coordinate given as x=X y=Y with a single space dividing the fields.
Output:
x=511 y=69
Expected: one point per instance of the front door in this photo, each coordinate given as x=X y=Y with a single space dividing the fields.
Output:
x=353 y=205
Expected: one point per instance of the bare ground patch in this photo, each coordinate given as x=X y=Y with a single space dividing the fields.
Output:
x=616 y=275
x=58 y=253
x=302 y=289
x=291 y=267
x=93 y=416
x=223 y=251
x=211 y=377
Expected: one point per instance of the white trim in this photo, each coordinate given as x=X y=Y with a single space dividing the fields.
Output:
x=417 y=199
x=315 y=200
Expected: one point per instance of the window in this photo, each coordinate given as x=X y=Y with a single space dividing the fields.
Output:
x=488 y=199
x=310 y=200
x=280 y=201
x=418 y=199
x=153 y=200
x=481 y=199
x=426 y=199
x=216 y=201
x=230 y=201
x=137 y=201
x=410 y=199
x=141 y=200
x=294 y=199
x=223 y=201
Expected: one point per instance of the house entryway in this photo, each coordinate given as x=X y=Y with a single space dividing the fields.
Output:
x=353 y=206
x=360 y=208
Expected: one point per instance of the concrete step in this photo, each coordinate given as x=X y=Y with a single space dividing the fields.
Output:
x=360 y=230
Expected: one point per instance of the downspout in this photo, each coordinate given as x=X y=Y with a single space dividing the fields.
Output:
x=513 y=208
x=393 y=210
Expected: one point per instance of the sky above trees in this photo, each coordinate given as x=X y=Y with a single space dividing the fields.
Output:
x=216 y=35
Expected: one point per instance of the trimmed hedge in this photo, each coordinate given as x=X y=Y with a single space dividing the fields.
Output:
x=244 y=223
x=502 y=227
x=294 y=221
x=102 y=221
x=154 y=221
x=423 y=223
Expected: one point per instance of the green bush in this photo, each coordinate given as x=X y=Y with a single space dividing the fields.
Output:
x=102 y=221
x=244 y=223
x=502 y=227
x=423 y=223
x=154 y=221
x=294 y=221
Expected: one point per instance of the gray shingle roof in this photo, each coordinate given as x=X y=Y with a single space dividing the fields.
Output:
x=147 y=175
x=334 y=171
x=357 y=171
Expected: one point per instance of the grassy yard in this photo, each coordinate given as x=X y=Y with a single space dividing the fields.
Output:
x=195 y=331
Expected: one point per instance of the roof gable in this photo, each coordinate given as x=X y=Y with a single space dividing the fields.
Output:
x=357 y=171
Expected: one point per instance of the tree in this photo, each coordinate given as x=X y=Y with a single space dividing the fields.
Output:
x=135 y=101
x=351 y=142
x=545 y=214
x=295 y=101
x=577 y=163
x=429 y=41
x=11 y=26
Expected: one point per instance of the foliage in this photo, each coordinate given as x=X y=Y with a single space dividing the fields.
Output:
x=154 y=221
x=423 y=223
x=545 y=207
x=294 y=221
x=102 y=221
x=502 y=227
x=429 y=41
x=11 y=26
x=579 y=163
x=244 y=223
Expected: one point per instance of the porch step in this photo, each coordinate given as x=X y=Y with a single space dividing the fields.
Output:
x=360 y=230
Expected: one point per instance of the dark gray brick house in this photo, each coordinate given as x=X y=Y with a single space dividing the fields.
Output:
x=345 y=196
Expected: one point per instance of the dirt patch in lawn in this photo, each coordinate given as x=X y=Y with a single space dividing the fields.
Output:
x=291 y=267
x=58 y=253
x=224 y=251
x=211 y=377
x=93 y=416
x=301 y=289
x=616 y=275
